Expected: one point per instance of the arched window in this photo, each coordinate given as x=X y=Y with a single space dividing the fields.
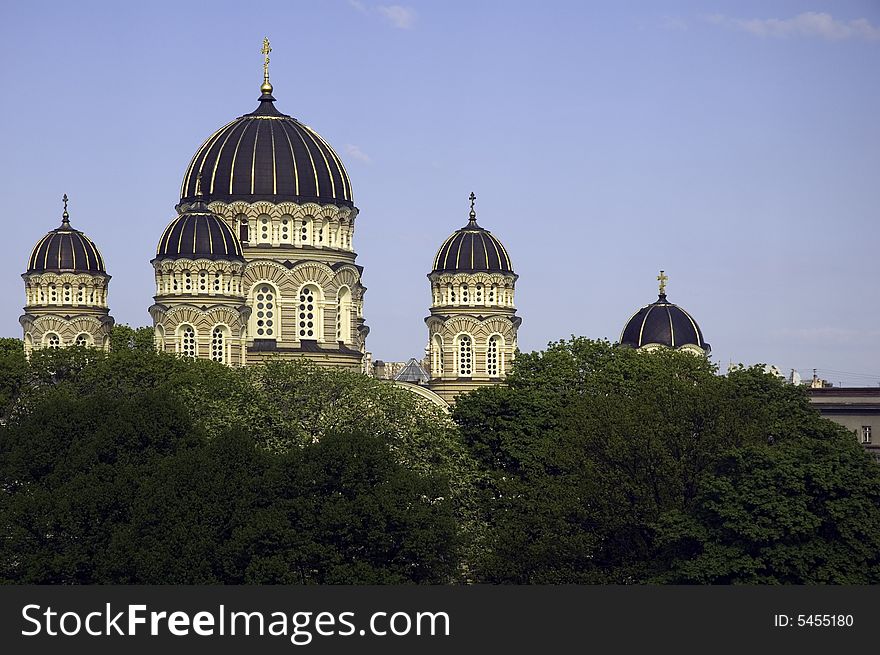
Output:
x=465 y=356
x=265 y=232
x=203 y=281
x=218 y=282
x=319 y=231
x=219 y=344
x=243 y=231
x=465 y=294
x=478 y=294
x=81 y=294
x=187 y=281
x=343 y=315
x=305 y=231
x=187 y=341
x=285 y=230
x=83 y=339
x=266 y=314
x=52 y=340
x=492 y=293
x=437 y=356
x=451 y=295
x=68 y=294
x=53 y=293
x=494 y=356
x=308 y=316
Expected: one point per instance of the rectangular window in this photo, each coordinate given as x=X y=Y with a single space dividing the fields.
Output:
x=866 y=434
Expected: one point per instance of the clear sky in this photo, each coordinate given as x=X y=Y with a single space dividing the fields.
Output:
x=734 y=144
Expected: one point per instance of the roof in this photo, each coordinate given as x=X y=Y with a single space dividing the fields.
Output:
x=66 y=250
x=662 y=323
x=267 y=155
x=198 y=234
x=412 y=372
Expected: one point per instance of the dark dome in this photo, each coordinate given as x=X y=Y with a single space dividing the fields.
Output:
x=472 y=249
x=65 y=249
x=267 y=155
x=198 y=234
x=662 y=323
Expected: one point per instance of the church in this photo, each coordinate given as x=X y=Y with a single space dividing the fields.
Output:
x=259 y=263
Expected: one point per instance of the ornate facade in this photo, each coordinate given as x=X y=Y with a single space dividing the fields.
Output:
x=259 y=262
x=285 y=197
x=473 y=323
x=66 y=292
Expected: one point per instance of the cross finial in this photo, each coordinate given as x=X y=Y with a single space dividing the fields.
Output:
x=65 y=217
x=662 y=278
x=473 y=214
x=266 y=88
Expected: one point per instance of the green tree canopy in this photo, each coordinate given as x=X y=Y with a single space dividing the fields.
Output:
x=596 y=452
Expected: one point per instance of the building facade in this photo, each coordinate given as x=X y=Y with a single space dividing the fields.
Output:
x=472 y=326
x=65 y=287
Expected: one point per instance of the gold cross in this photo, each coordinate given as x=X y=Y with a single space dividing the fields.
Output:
x=662 y=279
x=266 y=50
x=472 y=198
x=65 y=216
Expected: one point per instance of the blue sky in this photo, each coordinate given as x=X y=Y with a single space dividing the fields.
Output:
x=734 y=144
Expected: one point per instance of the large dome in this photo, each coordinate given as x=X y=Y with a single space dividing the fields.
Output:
x=663 y=323
x=66 y=250
x=472 y=249
x=267 y=155
x=198 y=234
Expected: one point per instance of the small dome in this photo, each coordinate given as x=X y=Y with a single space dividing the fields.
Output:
x=198 y=234
x=267 y=155
x=472 y=249
x=662 y=323
x=66 y=250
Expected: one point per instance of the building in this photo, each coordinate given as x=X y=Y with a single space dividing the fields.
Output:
x=259 y=263
x=855 y=408
x=66 y=288
x=472 y=325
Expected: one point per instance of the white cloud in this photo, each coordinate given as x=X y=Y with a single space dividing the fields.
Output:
x=357 y=4
x=673 y=23
x=403 y=18
x=808 y=24
x=357 y=153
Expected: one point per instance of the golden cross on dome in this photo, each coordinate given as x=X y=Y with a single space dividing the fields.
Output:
x=472 y=198
x=266 y=88
x=662 y=278
x=65 y=217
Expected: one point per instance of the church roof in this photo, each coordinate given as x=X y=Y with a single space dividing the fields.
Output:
x=198 y=234
x=66 y=250
x=267 y=155
x=662 y=323
x=472 y=249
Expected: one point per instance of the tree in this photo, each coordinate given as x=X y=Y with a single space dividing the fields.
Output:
x=140 y=467
x=125 y=337
x=13 y=373
x=593 y=449
x=804 y=511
